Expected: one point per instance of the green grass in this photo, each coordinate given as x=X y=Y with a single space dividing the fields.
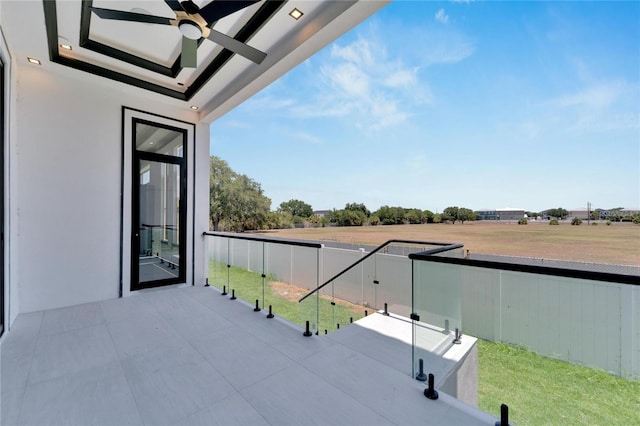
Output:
x=543 y=391
x=248 y=286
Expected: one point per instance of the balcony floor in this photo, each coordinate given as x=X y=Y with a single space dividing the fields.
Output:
x=186 y=355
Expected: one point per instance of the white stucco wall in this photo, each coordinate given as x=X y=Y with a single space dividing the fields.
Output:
x=67 y=164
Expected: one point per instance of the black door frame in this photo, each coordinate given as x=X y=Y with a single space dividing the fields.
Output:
x=2 y=204
x=137 y=157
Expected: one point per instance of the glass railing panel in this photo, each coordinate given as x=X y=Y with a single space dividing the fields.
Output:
x=343 y=301
x=243 y=283
x=389 y=281
x=290 y=272
x=218 y=259
x=575 y=320
x=436 y=304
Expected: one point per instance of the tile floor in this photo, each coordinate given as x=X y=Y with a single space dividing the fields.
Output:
x=189 y=356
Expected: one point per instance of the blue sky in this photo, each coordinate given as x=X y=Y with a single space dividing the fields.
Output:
x=431 y=104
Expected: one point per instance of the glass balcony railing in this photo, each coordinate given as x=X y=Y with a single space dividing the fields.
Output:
x=363 y=283
x=270 y=272
x=585 y=317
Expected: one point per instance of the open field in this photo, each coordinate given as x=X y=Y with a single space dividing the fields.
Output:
x=616 y=244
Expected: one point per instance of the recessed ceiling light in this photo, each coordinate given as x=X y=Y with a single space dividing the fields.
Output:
x=34 y=61
x=193 y=107
x=66 y=46
x=151 y=142
x=296 y=13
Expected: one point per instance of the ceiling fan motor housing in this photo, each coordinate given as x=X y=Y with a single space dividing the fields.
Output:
x=190 y=29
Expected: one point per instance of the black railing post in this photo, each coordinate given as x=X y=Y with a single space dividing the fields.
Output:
x=431 y=392
x=233 y=294
x=504 y=416
x=421 y=376
x=206 y=282
x=257 y=308
x=270 y=315
x=224 y=290
x=457 y=340
x=307 y=332
x=386 y=312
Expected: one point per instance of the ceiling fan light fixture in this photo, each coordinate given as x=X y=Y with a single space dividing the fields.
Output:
x=296 y=13
x=190 y=30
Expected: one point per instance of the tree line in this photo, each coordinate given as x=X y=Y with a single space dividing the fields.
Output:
x=237 y=203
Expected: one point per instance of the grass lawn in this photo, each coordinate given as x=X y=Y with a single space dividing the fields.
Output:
x=618 y=244
x=284 y=298
x=543 y=391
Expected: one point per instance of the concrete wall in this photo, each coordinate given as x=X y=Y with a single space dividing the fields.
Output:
x=66 y=165
x=586 y=322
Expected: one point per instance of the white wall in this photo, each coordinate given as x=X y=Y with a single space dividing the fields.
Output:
x=67 y=164
x=6 y=60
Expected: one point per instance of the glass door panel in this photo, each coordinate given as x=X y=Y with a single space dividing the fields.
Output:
x=159 y=222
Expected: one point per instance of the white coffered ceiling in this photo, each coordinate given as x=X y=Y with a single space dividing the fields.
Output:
x=147 y=55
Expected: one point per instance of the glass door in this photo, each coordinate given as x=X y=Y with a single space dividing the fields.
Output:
x=159 y=193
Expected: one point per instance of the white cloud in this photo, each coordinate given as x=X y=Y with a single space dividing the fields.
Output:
x=598 y=96
x=441 y=16
x=304 y=137
x=402 y=78
x=361 y=84
x=375 y=82
x=270 y=102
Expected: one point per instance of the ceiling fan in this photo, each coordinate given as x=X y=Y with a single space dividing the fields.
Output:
x=194 y=23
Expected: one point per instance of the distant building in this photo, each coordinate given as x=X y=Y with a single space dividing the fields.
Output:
x=321 y=213
x=578 y=213
x=487 y=215
x=501 y=214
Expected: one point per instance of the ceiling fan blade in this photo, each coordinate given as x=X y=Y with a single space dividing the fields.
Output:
x=237 y=47
x=121 y=15
x=174 y=5
x=218 y=9
x=188 y=57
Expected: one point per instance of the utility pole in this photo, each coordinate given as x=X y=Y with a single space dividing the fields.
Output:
x=588 y=213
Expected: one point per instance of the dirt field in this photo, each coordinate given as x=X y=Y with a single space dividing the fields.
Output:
x=617 y=244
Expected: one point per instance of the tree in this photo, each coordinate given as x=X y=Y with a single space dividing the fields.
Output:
x=358 y=207
x=615 y=215
x=450 y=213
x=414 y=216
x=428 y=216
x=558 y=213
x=348 y=217
x=296 y=208
x=236 y=202
x=576 y=221
x=391 y=215
x=466 y=214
